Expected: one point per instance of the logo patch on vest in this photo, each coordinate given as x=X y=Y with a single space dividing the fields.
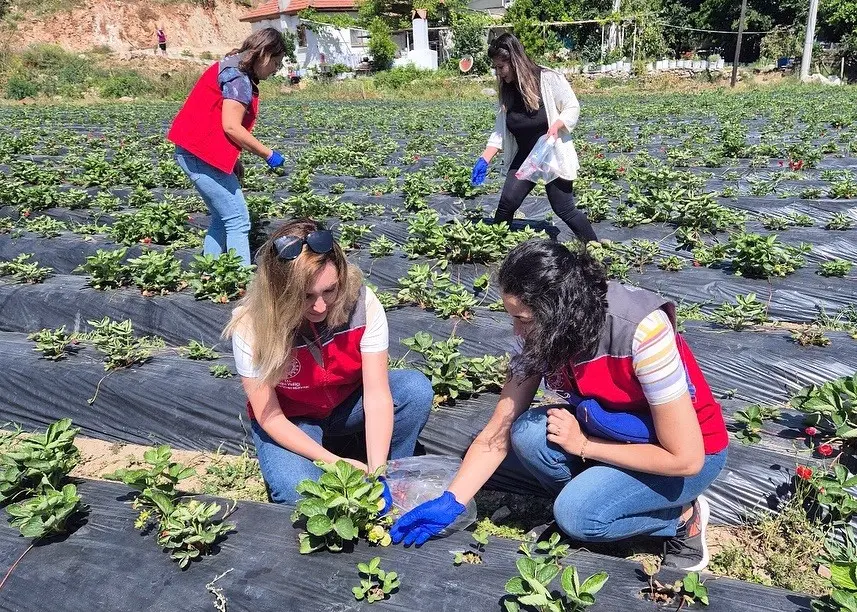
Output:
x=294 y=369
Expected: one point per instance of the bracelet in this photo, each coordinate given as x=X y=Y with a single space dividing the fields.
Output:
x=583 y=450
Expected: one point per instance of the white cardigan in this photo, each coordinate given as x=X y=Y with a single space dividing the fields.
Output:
x=560 y=103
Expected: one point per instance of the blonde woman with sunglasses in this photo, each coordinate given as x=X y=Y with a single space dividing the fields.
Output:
x=310 y=343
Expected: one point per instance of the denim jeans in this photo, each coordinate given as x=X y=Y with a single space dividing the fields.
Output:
x=230 y=219
x=283 y=469
x=604 y=503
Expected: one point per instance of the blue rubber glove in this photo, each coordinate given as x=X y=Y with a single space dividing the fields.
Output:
x=386 y=496
x=275 y=159
x=426 y=520
x=480 y=171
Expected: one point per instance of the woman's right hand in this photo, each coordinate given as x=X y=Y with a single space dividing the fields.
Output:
x=480 y=171
x=358 y=464
x=275 y=159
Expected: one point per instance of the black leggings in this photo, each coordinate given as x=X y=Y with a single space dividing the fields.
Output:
x=560 y=194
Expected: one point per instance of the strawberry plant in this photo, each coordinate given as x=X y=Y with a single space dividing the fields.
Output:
x=158 y=223
x=671 y=263
x=596 y=204
x=188 y=529
x=688 y=591
x=219 y=279
x=116 y=340
x=221 y=371
x=45 y=513
x=831 y=407
x=106 y=202
x=481 y=282
x=415 y=187
x=30 y=465
x=381 y=247
x=841 y=561
x=844 y=187
x=375 y=583
x=839 y=221
x=44 y=226
x=835 y=267
x=156 y=272
x=106 y=269
x=747 y=310
x=810 y=336
x=23 y=270
x=336 y=189
x=751 y=420
x=338 y=508
x=351 y=234
x=53 y=344
x=472 y=557
x=530 y=590
x=832 y=491
x=757 y=256
x=198 y=351
x=452 y=375
x=161 y=475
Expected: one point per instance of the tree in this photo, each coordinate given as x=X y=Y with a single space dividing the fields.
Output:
x=468 y=38
x=290 y=40
x=381 y=45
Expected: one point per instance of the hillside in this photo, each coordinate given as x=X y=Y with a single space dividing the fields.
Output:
x=128 y=25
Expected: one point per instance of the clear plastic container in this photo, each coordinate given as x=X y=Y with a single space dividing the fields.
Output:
x=541 y=163
x=414 y=480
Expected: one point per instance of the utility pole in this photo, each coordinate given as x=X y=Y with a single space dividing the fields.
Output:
x=738 y=42
x=808 y=42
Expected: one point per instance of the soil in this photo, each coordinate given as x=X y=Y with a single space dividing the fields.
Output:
x=129 y=25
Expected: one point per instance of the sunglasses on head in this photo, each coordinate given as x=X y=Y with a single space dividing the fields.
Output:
x=289 y=247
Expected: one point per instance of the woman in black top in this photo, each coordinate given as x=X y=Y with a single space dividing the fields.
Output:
x=530 y=96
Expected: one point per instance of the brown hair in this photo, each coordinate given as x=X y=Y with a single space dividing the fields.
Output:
x=527 y=73
x=269 y=315
x=261 y=45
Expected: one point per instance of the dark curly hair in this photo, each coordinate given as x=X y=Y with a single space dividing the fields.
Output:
x=567 y=292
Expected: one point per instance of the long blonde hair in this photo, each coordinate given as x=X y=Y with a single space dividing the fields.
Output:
x=509 y=49
x=271 y=313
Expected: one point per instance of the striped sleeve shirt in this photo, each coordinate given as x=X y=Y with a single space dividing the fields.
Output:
x=657 y=363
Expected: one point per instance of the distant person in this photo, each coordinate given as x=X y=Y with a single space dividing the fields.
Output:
x=214 y=126
x=162 y=40
x=310 y=342
x=534 y=101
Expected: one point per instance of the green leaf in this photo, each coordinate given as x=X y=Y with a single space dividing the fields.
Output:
x=536 y=600
x=847 y=600
x=345 y=528
x=511 y=605
x=526 y=567
x=843 y=575
x=311 y=487
x=690 y=582
x=594 y=583
x=311 y=507
x=319 y=525
x=546 y=573
x=569 y=582
x=515 y=586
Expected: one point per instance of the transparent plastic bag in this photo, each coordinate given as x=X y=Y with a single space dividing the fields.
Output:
x=414 y=480
x=541 y=163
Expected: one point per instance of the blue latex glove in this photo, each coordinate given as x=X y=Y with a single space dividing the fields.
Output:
x=426 y=520
x=386 y=496
x=275 y=159
x=480 y=171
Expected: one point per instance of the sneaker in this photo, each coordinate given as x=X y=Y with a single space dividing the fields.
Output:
x=688 y=550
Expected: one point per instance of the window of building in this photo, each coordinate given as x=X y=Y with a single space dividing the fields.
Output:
x=359 y=38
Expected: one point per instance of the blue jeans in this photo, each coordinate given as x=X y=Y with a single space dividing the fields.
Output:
x=604 y=503
x=230 y=219
x=283 y=469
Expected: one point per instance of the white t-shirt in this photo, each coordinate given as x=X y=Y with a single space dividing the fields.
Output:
x=376 y=338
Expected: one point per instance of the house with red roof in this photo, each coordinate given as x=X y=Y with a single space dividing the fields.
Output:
x=316 y=43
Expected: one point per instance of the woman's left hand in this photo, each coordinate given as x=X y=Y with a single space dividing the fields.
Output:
x=553 y=130
x=564 y=430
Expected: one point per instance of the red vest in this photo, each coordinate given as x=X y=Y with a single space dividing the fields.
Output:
x=198 y=127
x=609 y=377
x=311 y=389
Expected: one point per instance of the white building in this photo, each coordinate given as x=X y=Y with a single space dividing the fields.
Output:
x=316 y=44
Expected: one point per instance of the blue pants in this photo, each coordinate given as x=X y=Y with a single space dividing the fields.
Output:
x=230 y=219
x=283 y=469
x=604 y=503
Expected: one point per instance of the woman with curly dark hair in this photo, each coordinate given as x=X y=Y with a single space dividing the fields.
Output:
x=641 y=436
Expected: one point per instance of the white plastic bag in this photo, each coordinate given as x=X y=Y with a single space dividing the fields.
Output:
x=541 y=163
x=414 y=480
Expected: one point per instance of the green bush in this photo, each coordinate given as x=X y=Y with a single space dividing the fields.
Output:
x=396 y=78
x=118 y=85
x=381 y=45
x=19 y=87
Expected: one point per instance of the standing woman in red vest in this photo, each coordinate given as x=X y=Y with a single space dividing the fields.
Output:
x=310 y=343
x=612 y=352
x=215 y=125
